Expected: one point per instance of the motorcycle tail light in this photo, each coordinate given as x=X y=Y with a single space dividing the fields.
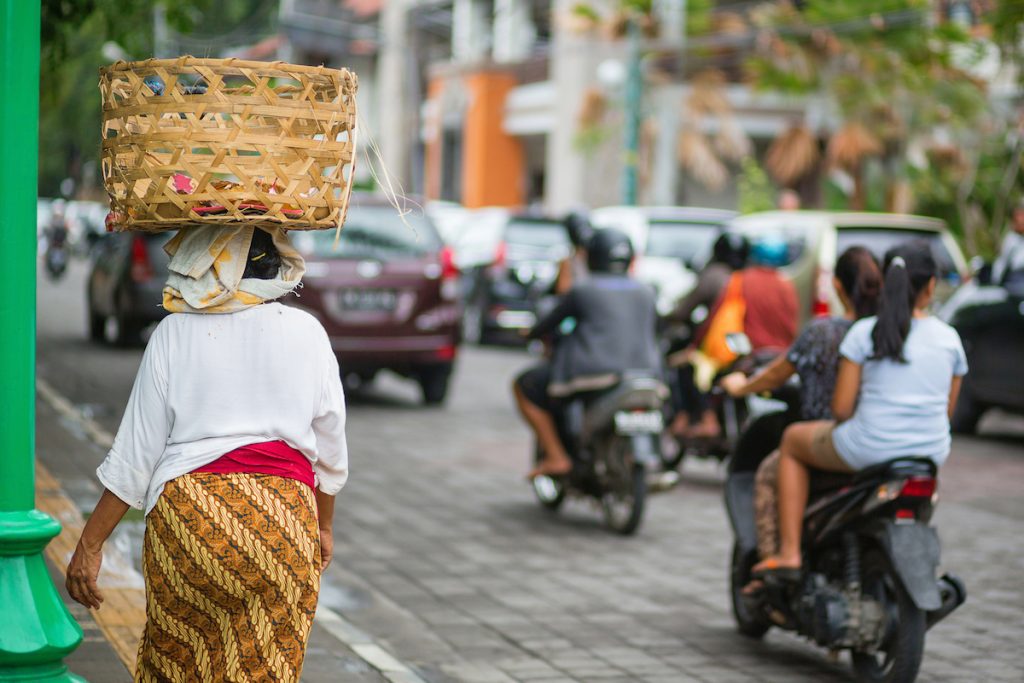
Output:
x=141 y=269
x=822 y=286
x=918 y=487
x=904 y=514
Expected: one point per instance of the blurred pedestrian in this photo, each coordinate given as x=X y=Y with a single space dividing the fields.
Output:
x=1009 y=266
x=789 y=200
x=233 y=442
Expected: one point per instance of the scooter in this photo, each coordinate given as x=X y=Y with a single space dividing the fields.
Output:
x=868 y=583
x=56 y=259
x=613 y=437
x=733 y=414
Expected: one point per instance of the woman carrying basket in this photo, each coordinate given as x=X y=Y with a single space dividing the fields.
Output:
x=233 y=441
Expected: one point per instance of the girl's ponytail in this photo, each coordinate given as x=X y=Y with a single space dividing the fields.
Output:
x=908 y=270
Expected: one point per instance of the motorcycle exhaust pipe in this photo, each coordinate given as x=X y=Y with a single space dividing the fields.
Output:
x=953 y=592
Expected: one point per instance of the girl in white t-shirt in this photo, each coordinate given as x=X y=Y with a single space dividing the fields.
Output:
x=899 y=377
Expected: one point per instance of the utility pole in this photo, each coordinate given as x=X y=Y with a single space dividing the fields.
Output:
x=634 y=96
x=37 y=631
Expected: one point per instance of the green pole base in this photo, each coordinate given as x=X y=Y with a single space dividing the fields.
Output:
x=45 y=673
x=37 y=631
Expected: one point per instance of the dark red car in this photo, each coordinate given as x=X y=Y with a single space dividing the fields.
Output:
x=387 y=294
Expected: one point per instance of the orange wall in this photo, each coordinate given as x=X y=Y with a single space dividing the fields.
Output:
x=432 y=149
x=493 y=163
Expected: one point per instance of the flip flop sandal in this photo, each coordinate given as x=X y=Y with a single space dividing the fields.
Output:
x=774 y=571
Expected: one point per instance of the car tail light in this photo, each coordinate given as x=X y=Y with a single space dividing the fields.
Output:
x=918 y=487
x=141 y=269
x=449 y=275
x=498 y=265
x=822 y=285
x=445 y=353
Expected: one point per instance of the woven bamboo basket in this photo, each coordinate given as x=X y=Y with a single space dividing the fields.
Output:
x=227 y=142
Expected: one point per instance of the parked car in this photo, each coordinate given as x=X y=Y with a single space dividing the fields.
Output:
x=450 y=219
x=990 y=320
x=387 y=294
x=501 y=294
x=672 y=244
x=125 y=286
x=816 y=238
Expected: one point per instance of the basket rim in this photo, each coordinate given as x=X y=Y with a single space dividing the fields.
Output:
x=226 y=62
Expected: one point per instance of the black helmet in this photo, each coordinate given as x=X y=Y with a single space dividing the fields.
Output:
x=609 y=251
x=577 y=225
x=732 y=249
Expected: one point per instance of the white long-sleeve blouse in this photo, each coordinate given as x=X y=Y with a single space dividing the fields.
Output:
x=209 y=384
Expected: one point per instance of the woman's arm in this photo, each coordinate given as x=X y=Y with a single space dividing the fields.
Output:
x=325 y=520
x=84 y=567
x=954 y=393
x=772 y=376
x=563 y=283
x=844 y=400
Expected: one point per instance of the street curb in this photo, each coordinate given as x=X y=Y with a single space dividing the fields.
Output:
x=123 y=586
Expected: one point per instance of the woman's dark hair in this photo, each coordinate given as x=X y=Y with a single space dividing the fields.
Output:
x=909 y=268
x=732 y=249
x=858 y=272
x=264 y=261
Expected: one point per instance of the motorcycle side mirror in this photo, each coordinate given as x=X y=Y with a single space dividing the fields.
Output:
x=738 y=343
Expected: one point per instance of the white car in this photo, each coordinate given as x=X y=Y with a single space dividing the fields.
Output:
x=816 y=238
x=672 y=243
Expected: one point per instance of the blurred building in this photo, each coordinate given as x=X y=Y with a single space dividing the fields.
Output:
x=520 y=102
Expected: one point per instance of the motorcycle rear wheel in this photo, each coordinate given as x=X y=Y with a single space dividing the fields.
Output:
x=899 y=657
x=748 y=622
x=626 y=494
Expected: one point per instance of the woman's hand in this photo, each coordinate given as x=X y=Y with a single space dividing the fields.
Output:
x=84 y=567
x=734 y=384
x=326 y=547
x=83 y=570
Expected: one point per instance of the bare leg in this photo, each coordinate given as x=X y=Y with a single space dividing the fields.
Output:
x=555 y=460
x=796 y=453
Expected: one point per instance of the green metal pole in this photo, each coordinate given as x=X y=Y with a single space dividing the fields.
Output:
x=36 y=630
x=634 y=94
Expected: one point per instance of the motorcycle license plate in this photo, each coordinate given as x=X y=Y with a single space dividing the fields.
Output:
x=641 y=422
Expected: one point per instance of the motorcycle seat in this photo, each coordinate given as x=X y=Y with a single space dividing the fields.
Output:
x=822 y=482
x=635 y=391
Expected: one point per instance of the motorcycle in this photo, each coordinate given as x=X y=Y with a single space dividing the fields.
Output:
x=869 y=582
x=613 y=437
x=56 y=260
x=734 y=414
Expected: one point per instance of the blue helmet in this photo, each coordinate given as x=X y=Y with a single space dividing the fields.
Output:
x=769 y=250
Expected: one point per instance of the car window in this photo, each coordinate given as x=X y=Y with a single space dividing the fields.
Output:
x=533 y=233
x=796 y=235
x=372 y=233
x=880 y=240
x=681 y=240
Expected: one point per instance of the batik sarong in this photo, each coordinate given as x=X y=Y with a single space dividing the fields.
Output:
x=232 y=568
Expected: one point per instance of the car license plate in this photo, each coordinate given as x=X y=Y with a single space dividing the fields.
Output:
x=640 y=422
x=367 y=299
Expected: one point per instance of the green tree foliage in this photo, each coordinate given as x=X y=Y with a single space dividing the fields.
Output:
x=756 y=192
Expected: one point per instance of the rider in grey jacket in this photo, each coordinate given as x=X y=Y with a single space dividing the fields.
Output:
x=614 y=331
